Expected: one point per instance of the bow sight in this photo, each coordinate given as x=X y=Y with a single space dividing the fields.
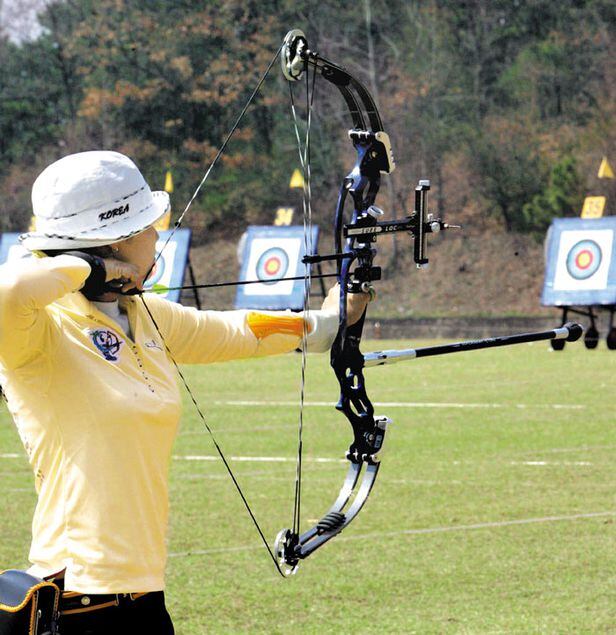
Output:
x=418 y=224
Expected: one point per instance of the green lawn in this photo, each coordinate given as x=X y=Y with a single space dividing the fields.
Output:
x=494 y=511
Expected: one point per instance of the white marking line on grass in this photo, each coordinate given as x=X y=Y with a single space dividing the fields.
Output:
x=255 y=459
x=550 y=463
x=582 y=448
x=415 y=532
x=538 y=463
x=239 y=459
x=407 y=404
x=286 y=459
x=241 y=430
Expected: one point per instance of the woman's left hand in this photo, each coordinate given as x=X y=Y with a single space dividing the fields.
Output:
x=356 y=303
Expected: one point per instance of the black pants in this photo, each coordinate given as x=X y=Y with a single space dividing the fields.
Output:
x=146 y=615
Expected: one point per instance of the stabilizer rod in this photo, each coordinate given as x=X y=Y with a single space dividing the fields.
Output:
x=570 y=332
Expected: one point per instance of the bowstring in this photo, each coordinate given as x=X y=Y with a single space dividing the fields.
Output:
x=218 y=448
x=305 y=162
x=181 y=375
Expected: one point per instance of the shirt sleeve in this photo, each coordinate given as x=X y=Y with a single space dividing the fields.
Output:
x=202 y=337
x=27 y=286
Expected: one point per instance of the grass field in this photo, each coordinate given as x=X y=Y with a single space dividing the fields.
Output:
x=494 y=511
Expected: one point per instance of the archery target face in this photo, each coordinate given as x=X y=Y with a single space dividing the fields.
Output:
x=161 y=274
x=157 y=271
x=272 y=258
x=583 y=260
x=273 y=263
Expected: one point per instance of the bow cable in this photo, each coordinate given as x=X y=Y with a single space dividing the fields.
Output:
x=304 y=158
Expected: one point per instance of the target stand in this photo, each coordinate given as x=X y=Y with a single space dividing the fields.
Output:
x=580 y=274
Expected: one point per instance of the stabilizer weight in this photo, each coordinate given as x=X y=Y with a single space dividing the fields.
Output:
x=575 y=331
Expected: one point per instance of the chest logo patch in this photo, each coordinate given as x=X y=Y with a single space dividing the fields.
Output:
x=108 y=343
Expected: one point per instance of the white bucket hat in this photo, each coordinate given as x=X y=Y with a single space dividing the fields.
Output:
x=91 y=199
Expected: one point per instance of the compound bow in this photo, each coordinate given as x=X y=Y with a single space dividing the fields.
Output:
x=354 y=253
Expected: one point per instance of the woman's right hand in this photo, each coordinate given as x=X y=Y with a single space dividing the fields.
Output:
x=123 y=274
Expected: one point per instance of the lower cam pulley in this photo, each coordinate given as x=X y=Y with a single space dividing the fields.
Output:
x=284 y=550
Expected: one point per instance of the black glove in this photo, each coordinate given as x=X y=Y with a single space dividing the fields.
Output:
x=95 y=284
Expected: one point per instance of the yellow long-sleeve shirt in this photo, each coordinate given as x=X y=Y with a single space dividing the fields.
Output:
x=98 y=412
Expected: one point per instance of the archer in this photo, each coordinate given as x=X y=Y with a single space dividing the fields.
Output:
x=88 y=366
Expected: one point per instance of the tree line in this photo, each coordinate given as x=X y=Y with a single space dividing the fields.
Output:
x=506 y=105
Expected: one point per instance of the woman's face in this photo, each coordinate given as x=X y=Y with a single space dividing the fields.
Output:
x=140 y=251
